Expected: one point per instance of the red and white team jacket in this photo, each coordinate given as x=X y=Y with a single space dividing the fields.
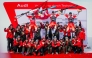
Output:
x=16 y=43
x=10 y=34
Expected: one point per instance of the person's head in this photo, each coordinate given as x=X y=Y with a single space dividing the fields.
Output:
x=65 y=26
x=61 y=40
x=27 y=24
x=21 y=26
x=32 y=14
x=53 y=12
x=70 y=13
x=11 y=26
x=26 y=40
x=49 y=39
x=43 y=39
x=47 y=22
x=73 y=38
x=37 y=41
x=18 y=27
x=66 y=39
x=61 y=10
x=55 y=39
x=61 y=26
x=22 y=33
x=58 y=27
x=32 y=40
x=58 y=23
x=64 y=29
x=38 y=26
x=18 y=38
x=23 y=29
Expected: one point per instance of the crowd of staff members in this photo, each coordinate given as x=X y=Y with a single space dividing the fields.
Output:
x=28 y=41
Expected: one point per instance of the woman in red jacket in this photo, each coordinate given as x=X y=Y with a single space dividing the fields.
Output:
x=55 y=46
x=25 y=46
x=17 y=45
x=10 y=35
x=79 y=45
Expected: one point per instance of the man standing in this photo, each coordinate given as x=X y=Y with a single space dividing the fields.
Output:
x=10 y=35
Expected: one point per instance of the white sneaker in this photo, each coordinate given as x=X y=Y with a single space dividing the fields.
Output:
x=57 y=53
x=66 y=52
x=52 y=53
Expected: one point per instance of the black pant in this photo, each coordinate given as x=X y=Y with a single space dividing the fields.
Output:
x=50 y=36
x=10 y=44
x=67 y=48
x=64 y=38
x=24 y=49
x=60 y=49
x=48 y=48
x=30 y=50
x=79 y=50
x=57 y=37
x=69 y=37
x=17 y=48
x=36 y=51
x=55 y=49
x=37 y=38
x=74 y=48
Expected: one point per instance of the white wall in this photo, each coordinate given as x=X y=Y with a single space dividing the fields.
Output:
x=4 y=21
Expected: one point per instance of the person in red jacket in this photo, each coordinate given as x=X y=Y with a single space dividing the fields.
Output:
x=27 y=30
x=10 y=36
x=42 y=44
x=74 y=47
x=39 y=47
x=25 y=46
x=71 y=18
x=61 y=45
x=79 y=45
x=82 y=36
x=36 y=50
x=48 y=46
x=55 y=46
x=17 y=44
x=53 y=16
x=30 y=47
x=67 y=45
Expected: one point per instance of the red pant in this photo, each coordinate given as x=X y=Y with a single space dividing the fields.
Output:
x=71 y=26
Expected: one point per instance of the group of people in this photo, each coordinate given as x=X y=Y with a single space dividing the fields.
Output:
x=51 y=38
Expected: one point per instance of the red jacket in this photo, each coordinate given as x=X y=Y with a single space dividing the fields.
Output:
x=25 y=44
x=74 y=42
x=52 y=24
x=69 y=33
x=82 y=35
x=26 y=30
x=65 y=33
x=31 y=34
x=30 y=44
x=55 y=44
x=9 y=33
x=39 y=46
x=78 y=43
x=16 y=43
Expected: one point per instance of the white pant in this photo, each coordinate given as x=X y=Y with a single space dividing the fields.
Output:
x=42 y=33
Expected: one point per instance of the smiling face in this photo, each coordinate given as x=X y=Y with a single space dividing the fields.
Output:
x=18 y=39
x=10 y=27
